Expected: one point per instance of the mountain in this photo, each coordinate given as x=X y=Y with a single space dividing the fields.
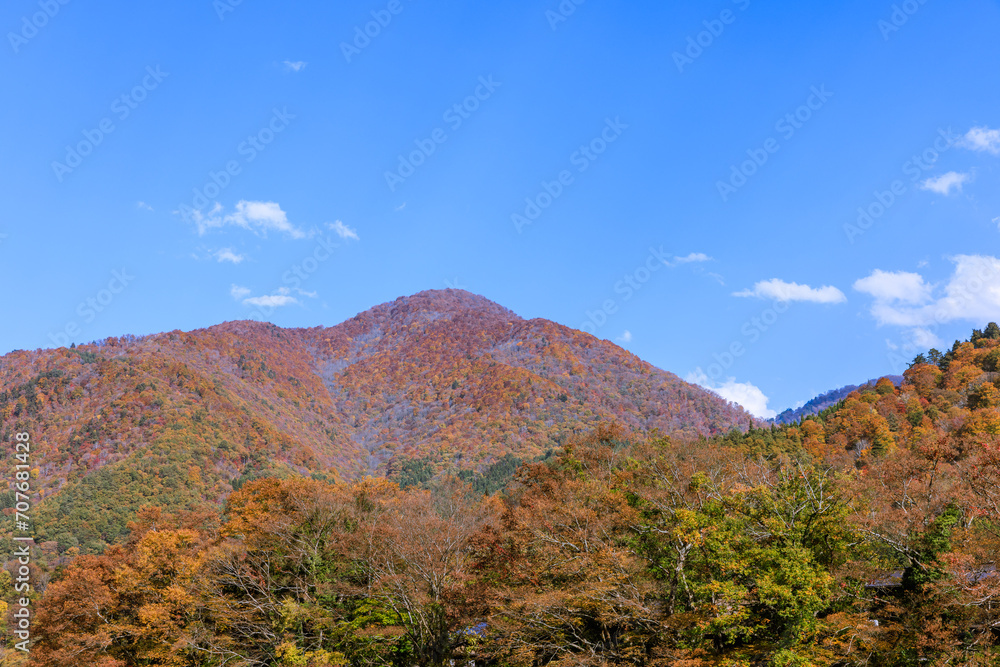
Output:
x=445 y=377
x=864 y=534
x=827 y=400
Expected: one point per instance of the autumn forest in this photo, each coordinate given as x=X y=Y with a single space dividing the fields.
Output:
x=439 y=482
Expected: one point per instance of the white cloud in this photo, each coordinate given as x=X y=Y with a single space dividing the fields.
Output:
x=301 y=292
x=257 y=216
x=143 y=206
x=238 y=292
x=263 y=216
x=717 y=278
x=626 y=337
x=401 y=206
x=745 y=394
x=227 y=255
x=899 y=286
x=944 y=184
x=779 y=290
x=982 y=139
x=924 y=339
x=997 y=221
x=972 y=293
x=272 y=301
x=693 y=257
x=343 y=231
x=296 y=66
x=281 y=297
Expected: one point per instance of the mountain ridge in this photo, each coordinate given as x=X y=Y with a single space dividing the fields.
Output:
x=443 y=376
x=827 y=399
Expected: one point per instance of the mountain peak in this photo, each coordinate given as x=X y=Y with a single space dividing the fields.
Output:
x=446 y=378
x=455 y=300
x=431 y=305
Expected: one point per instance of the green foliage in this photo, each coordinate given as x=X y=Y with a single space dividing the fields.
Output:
x=991 y=332
x=95 y=509
x=925 y=566
x=28 y=392
x=497 y=476
x=87 y=356
x=414 y=473
x=768 y=441
x=754 y=564
x=991 y=363
x=250 y=474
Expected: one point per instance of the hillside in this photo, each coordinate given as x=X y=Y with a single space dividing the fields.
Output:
x=946 y=405
x=865 y=535
x=180 y=419
x=827 y=400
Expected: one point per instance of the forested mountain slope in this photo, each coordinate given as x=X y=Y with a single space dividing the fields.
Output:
x=180 y=419
x=866 y=535
x=828 y=399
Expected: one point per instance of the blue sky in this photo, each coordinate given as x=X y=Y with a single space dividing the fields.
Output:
x=773 y=199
